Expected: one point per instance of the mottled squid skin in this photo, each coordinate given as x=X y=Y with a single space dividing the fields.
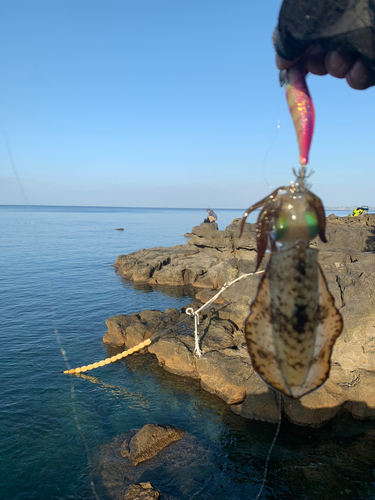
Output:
x=301 y=108
x=293 y=322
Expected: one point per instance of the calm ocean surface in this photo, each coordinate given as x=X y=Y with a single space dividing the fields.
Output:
x=57 y=289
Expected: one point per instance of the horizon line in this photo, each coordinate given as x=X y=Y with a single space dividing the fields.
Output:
x=109 y=206
x=167 y=208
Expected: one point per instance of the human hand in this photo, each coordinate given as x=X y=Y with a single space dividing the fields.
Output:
x=349 y=66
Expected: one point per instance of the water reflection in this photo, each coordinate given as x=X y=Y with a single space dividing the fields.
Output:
x=336 y=461
x=175 y=292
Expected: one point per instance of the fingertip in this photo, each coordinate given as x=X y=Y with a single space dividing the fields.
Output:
x=282 y=63
x=338 y=65
x=360 y=76
x=315 y=62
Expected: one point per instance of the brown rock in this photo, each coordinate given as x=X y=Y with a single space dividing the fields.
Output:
x=192 y=263
x=136 y=333
x=149 y=441
x=141 y=491
x=360 y=397
x=117 y=326
x=350 y=233
x=131 y=330
x=260 y=402
x=141 y=266
x=174 y=356
x=204 y=296
x=207 y=235
x=214 y=335
x=315 y=409
x=238 y=298
x=219 y=274
x=224 y=374
x=213 y=258
x=184 y=457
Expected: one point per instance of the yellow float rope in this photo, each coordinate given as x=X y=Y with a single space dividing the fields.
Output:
x=107 y=361
x=189 y=312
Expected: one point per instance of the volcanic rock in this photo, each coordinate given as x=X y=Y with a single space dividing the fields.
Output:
x=213 y=258
x=130 y=464
x=149 y=441
x=141 y=491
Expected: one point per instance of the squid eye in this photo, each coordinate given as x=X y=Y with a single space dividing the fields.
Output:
x=281 y=226
x=312 y=223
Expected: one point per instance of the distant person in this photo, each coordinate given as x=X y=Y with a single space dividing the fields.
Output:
x=212 y=217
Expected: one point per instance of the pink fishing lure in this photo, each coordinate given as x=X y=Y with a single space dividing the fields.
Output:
x=301 y=108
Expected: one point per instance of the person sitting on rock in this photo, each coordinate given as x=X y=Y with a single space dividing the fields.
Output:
x=212 y=217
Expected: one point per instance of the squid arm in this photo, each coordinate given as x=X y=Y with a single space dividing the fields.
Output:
x=315 y=205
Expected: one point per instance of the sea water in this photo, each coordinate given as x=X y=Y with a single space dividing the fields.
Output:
x=58 y=286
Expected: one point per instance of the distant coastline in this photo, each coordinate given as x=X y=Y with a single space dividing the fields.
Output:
x=98 y=207
x=347 y=208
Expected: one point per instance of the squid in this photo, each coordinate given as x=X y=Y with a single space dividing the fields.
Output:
x=293 y=322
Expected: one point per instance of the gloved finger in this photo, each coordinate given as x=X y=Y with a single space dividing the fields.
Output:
x=360 y=76
x=315 y=61
x=283 y=63
x=289 y=49
x=338 y=64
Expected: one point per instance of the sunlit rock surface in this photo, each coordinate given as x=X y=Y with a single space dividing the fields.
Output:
x=212 y=258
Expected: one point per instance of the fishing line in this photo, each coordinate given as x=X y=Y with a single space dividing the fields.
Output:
x=278 y=125
x=265 y=156
x=279 y=404
x=155 y=336
x=15 y=172
x=54 y=323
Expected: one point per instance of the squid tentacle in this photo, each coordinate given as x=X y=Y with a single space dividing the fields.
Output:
x=260 y=203
x=315 y=205
x=263 y=230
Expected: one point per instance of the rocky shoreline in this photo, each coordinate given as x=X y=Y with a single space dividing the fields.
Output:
x=212 y=258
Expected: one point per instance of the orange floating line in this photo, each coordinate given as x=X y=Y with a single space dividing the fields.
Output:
x=107 y=361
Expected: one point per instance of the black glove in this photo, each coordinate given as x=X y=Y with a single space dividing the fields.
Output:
x=347 y=26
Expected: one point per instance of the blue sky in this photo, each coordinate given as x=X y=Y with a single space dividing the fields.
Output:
x=165 y=103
